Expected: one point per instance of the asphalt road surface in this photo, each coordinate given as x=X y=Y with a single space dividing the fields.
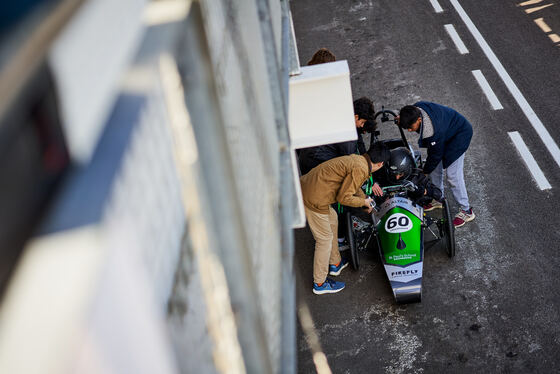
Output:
x=494 y=308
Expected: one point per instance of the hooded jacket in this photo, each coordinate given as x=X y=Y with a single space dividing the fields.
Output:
x=451 y=136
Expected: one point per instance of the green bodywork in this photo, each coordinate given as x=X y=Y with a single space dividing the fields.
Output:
x=412 y=238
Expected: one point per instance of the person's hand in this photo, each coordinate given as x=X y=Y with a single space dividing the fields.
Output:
x=369 y=203
x=377 y=190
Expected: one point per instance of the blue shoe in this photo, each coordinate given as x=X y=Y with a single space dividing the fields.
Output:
x=335 y=270
x=329 y=286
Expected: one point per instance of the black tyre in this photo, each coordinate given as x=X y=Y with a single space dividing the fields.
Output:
x=448 y=229
x=354 y=259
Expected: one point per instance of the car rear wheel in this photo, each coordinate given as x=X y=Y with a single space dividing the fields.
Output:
x=448 y=229
x=351 y=237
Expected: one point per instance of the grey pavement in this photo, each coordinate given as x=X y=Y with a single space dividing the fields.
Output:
x=494 y=307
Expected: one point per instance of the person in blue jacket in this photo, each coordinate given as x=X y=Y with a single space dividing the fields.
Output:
x=446 y=134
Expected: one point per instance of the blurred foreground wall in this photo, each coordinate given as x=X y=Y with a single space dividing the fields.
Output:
x=164 y=245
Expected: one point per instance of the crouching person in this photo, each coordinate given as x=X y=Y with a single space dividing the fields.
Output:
x=401 y=167
x=337 y=180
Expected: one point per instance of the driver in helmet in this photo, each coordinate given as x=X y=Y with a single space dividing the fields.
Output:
x=401 y=167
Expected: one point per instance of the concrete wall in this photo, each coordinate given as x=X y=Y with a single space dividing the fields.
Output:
x=163 y=249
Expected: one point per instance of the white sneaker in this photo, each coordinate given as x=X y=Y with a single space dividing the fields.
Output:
x=432 y=205
x=463 y=217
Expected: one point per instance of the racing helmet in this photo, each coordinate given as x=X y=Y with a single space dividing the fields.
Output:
x=400 y=165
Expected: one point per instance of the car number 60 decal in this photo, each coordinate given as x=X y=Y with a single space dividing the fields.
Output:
x=398 y=222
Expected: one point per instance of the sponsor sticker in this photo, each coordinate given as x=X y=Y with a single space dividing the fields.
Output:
x=398 y=222
x=406 y=256
x=406 y=274
x=403 y=273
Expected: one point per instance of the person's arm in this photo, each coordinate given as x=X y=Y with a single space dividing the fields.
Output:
x=360 y=193
x=350 y=192
x=425 y=188
x=380 y=179
x=420 y=180
x=436 y=149
x=376 y=189
x=433 y=191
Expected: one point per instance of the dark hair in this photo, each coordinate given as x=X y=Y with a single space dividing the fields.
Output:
x=378 y=152
x=408 y=115
x=363 y=107
x=321 y=56
x=369 y=126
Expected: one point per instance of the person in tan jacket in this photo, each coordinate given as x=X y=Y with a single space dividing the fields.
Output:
x=336 y=180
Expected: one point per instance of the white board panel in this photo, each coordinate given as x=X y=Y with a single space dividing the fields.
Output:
x=321 y=108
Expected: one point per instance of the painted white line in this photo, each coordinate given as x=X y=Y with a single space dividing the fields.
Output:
x=456 y=39
x=535 y=170
x=542 y=24
x=512 y=87
x=436 y=6
x=554 y=37
x=483 y=83
x=530 y=2
x=536 y=9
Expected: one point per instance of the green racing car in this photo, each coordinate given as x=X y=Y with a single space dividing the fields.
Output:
x=400 y=228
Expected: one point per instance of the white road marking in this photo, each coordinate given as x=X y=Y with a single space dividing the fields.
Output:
x=512 y=87
x=436 y=6
x=483 y=83
x=554 y=37
x=535 y=170
x=456 y=39
x=542 y=24
x=536 y=9
x=530 y=2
